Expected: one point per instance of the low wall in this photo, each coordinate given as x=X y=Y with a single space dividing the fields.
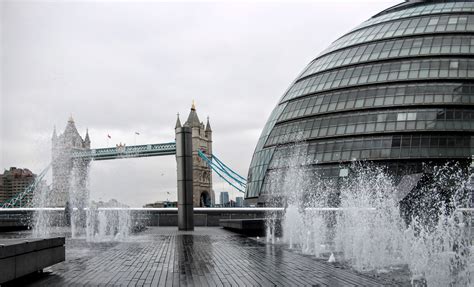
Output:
x=24 y=217
x=19 y=257
x=202 y=216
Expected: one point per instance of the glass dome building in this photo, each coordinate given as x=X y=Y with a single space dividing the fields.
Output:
x=396 y=90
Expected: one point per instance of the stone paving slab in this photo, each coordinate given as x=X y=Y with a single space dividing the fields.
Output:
x=209 y=256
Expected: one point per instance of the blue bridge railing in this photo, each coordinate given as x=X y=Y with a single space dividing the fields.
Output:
x=223 y=171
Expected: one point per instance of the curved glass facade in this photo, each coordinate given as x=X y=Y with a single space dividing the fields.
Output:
x=398 y=90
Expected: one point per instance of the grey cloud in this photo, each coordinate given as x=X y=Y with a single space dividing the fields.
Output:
x=131 y=66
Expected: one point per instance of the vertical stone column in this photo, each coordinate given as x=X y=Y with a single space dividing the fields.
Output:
x=184 y=153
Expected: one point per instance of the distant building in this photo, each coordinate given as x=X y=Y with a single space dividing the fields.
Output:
x=161 y=204
x=108 y=204
x=239 y=201
x=14 y=181
x=397 y=91
x=224 y=198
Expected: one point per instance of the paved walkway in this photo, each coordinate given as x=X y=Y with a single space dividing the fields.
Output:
x=206 y=257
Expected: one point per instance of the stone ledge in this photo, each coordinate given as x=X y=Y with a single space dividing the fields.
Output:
x=19 y=257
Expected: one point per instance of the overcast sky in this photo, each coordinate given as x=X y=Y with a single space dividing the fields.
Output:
x=125 y=67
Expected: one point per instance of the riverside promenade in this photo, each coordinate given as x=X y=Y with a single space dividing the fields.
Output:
x=209 y=256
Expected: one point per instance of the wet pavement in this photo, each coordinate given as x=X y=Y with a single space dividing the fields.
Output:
x=209 y=256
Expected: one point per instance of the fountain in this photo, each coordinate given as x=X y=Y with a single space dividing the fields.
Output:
x=107 y=224
x=367 y=227
x=86 y=220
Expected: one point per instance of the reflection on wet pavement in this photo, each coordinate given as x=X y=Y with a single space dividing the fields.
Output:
x=209 y=256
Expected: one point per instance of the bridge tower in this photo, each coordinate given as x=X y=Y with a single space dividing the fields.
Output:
x=203 y=194
x=69 y=176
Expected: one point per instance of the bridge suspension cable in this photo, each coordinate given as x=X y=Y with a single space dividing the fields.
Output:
x=226 y=173
x=17 y=200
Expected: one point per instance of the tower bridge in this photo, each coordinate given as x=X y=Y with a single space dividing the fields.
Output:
x=72 y=155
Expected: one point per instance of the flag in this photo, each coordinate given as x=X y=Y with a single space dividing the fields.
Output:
x=109 y=136
x=137 y=133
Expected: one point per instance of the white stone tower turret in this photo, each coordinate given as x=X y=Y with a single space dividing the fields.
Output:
x=62 y=164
